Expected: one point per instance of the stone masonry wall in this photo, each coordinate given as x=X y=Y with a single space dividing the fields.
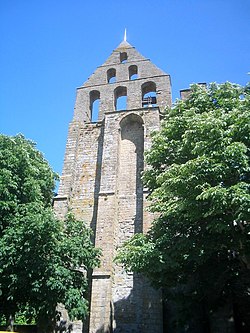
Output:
x=120 y=215
x=101 y=184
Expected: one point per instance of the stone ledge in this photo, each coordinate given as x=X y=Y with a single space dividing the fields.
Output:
x=60 y=198
x=106 y=193
x=121 y=81
x=144 y=110
x=100 y=275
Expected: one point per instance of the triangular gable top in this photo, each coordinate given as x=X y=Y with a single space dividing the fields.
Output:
x=124 y=46
x=132 y=57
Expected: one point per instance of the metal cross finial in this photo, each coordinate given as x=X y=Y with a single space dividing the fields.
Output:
x=125 y=35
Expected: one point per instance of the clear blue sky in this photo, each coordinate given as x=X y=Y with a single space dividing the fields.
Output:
x=50 y=47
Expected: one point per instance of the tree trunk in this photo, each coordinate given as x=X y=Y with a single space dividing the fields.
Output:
x=10 y=323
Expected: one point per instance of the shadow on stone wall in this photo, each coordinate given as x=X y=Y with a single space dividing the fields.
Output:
x=138 y=227
x=94 y=216
x=126 y=315
x=97 y=182
x=141 y=311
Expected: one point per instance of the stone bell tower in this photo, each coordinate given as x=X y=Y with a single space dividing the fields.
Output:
x=116 y=109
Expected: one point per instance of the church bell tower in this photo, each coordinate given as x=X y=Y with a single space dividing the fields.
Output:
x=116 y=109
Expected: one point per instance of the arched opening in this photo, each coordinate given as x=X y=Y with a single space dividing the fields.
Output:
x=133 y=72
x=111 y=75
x=94 y=98
x=120 y=98
x=123 y=57
x=149 y=94
x=129 y=216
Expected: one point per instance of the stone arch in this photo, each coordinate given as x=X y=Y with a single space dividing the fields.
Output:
x=111 y=75
x=148 y=90
x=123 y=57
x=129 y=213
x=129 y=118
x=130 y=169
x=120 y=98
x=133 y=72
x=94 y=101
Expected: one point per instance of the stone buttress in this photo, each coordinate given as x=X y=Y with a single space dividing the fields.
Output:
x=116 y=109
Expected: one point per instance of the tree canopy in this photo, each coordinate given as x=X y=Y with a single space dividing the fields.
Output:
x=43 y=261
x=198 y=177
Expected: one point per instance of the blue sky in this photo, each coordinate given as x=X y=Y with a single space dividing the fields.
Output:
x=48 y=48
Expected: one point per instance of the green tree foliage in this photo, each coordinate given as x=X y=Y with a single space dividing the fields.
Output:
x=198 y=177
x=43 y=261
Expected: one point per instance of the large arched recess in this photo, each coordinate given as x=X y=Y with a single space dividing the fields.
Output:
x=130 y=167
x=129 y=210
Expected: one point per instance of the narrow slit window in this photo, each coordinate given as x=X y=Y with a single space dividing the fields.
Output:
x=94 y=105
x=95 y=111
x=120 y=98
x=149 y=94
x=121 y=103
x=123 y=57
x=133 y=72
x=111 y=75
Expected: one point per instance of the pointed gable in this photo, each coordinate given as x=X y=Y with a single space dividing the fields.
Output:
x=125 y=76
x=123 y=54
